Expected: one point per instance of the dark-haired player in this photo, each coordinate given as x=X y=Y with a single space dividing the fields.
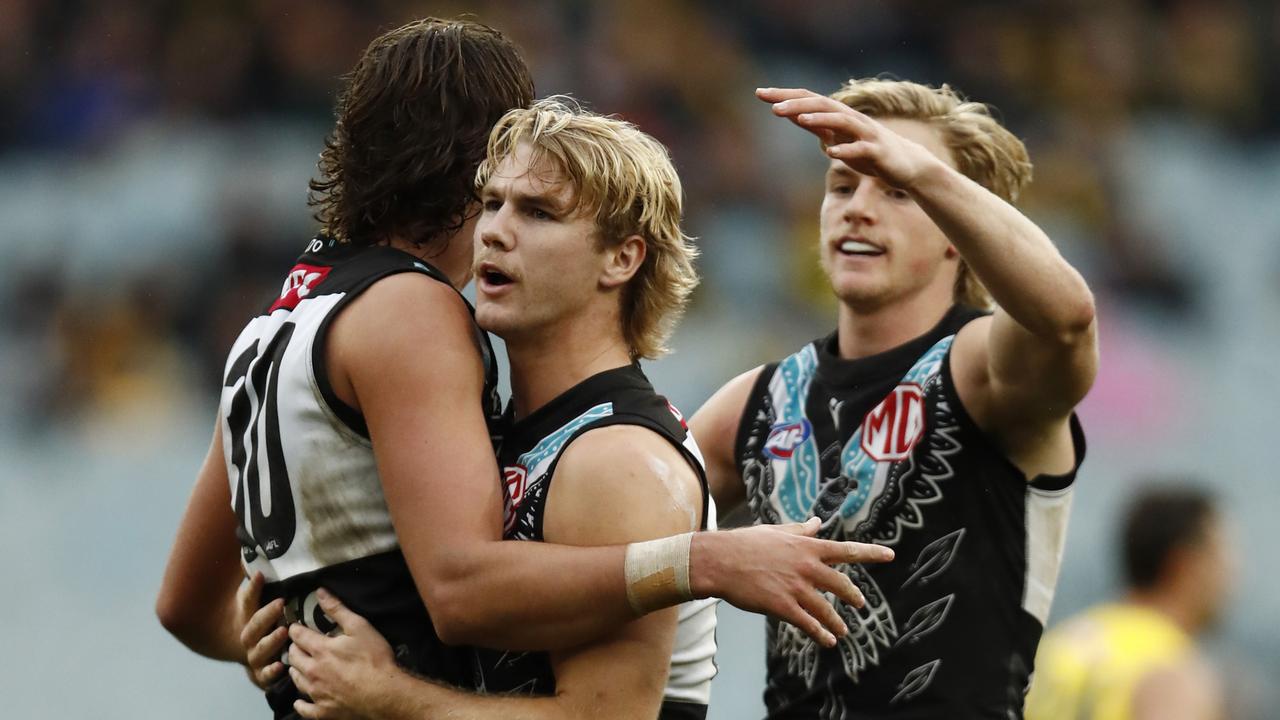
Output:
x=581 y=281
x=351 y=447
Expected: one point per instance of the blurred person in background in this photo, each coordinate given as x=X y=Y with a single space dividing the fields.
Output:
x=352 y=444
x=1136 y=658
x=926 y=421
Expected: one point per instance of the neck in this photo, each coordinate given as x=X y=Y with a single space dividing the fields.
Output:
x=548 y=361
x=1167 y=603
x=456 y=266
x=863 y=332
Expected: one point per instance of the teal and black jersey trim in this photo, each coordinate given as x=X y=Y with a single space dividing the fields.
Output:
x=882 y=450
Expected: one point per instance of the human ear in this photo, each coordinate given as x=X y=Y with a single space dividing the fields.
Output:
x=623 y=261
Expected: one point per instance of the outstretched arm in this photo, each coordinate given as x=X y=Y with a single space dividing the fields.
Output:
x=416 y=370
x=1021 y=373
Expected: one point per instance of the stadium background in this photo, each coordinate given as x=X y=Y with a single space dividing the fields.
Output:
x=153 y=163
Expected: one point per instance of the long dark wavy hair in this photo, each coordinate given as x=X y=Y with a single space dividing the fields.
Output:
x=413 y=121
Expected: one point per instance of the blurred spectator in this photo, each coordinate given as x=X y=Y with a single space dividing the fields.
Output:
x=1136 y=658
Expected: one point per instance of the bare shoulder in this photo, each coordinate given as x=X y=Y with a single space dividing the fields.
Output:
x=408 y=329
x=406 y=303
x=622 y=483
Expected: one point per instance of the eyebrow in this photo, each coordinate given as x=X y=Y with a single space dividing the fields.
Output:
x=548 y=200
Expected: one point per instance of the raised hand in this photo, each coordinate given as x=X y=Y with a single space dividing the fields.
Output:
x=781 y=570
x=863 y=143
x=262 y=634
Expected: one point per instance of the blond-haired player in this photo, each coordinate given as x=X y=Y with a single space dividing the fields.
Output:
x=582 y=268
x=925 y=421
x=352 y=449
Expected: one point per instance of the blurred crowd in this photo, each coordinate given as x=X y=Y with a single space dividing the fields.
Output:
x=153 y=155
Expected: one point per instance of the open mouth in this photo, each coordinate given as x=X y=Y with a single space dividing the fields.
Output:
x=493 y=278
x=859 y=248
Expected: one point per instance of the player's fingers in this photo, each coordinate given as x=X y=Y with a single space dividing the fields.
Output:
x=261 y=623
x=849 y=152
x=268 y=674
x=306 y=709
x=299 y=678
x=300 y=656
x=817 y=606
x=250 y=593
x=825 y=136
x=837 y=583
x=268 y=647
x=833 y=552
x=773 y=95
x=808 y=528
x=809 y=104
x=797 y=615
x=350 y=622
x=835 y=122
x=305 y=639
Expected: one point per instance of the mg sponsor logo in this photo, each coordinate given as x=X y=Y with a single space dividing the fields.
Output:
x=514 y=480
x=784 y=438
x=893 y=428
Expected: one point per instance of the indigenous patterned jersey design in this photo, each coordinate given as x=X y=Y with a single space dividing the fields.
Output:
x=304 y=483
x=882 y=451
x=529 y=454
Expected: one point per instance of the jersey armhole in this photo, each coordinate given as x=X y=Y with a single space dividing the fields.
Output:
x=758 y=389
x=640 y=421
x=1042 y=483
x=349 y=416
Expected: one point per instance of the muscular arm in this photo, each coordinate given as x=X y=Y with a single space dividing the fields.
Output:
x=613 y=485
x=197 y=599
x=405 y=350
x=1022 y=372
x=715 y=427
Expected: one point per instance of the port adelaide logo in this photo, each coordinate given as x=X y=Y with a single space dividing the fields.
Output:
x=784 y=438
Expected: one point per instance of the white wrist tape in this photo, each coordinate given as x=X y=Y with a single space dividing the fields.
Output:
x=658 y=573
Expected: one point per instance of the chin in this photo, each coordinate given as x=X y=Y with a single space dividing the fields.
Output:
x=490 y=319
x=859 y=294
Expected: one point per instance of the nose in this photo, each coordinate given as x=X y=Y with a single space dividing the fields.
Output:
x=861 y=205
x=492 y=229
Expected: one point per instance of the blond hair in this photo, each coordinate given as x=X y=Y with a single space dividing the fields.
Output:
x=983 y=149
x=626 y=180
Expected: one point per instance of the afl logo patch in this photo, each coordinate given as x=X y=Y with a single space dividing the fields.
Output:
x=893 y=428
x=784 y=438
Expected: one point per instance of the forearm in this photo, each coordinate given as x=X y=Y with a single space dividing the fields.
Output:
x=213 y=634
x=1025 y=274
x=409 y=698
x=531 y=596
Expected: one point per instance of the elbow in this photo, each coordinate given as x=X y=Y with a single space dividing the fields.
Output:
x=1078 y=324
x=171 y=616
x=452 y=612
